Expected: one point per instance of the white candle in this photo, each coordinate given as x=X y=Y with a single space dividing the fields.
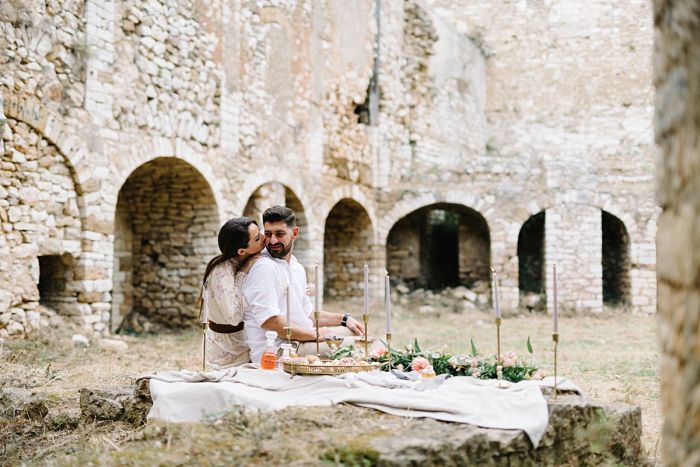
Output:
x=317 y=290
x=366 y=307
x=289 y=308
x=387 y=302
x=556 y=306
x=494 y=290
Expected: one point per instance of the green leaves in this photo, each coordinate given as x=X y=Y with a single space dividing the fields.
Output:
x=529 y=345
x=455 y=365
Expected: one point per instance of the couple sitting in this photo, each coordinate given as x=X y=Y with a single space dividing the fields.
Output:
x=244 y=292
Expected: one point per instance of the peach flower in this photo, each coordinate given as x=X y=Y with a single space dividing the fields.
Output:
x=377 y=353
x=419 y=364
x=509 y=359
x=539 y=374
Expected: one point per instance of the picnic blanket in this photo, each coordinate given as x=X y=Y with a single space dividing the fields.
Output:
x=457 y=399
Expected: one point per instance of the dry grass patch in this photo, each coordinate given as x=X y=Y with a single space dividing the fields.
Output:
x=612 y=357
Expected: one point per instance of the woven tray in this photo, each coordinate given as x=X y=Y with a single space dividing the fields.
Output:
x=304 y=369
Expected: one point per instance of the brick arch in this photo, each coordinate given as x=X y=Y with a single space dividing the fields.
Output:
x=356 y=194
x=403 y=208
x=154 y=148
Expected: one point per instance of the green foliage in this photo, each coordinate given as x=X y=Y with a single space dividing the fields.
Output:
x=351 y=455
x=474 y=352
x=455 y=365
x=529 y=345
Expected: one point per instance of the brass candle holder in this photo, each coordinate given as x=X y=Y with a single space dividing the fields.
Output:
x=317 y=316
x=288 y=333
x=388 y=346
x=204 y=325
x=555 y=338
x=365 y=318
x=499 y=358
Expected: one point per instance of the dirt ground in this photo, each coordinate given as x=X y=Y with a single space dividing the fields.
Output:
x=612 y=357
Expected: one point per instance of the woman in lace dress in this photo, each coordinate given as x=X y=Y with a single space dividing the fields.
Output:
x=240 y=241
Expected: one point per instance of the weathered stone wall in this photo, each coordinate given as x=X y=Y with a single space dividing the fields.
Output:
x=507 y=109
x=40 y=218
x=677 y=80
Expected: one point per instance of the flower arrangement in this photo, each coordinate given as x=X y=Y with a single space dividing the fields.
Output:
x=428 y=363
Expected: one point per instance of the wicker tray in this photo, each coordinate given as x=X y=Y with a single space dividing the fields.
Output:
x=304 y=369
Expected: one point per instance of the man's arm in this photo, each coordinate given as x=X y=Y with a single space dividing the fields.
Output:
x=277 y=323
x=327 y=318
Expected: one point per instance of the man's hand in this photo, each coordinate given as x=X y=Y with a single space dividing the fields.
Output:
x=355 y=326
x=323 y=333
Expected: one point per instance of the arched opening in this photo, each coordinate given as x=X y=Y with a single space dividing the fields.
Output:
x=616 y=261
x=166 y=225
x=347 y=243
x=55 y=273
x=531 y=264
x=441 y=245
x=272 y=194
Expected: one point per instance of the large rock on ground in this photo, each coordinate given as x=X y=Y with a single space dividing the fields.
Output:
x=580 y=432
x=131 y=405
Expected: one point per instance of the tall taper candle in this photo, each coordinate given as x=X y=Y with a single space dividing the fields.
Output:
x=556 y=305
x=387 y=302
x=317 y=291
x=494 y=289
x=289 y=308
x=366 y=304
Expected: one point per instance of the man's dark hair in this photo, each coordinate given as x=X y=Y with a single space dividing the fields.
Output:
x=280 y=214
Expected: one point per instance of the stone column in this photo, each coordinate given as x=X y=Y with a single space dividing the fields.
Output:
x=677 y=80
x=575 y=243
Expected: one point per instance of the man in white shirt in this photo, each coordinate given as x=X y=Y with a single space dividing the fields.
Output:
x=264 y=290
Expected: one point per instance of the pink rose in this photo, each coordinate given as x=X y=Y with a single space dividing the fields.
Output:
x=377 y=353
x=419 y=363
x=509 y=359
x=539 y=374
x=474 y=363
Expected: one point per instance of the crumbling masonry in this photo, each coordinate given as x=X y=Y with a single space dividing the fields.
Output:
x=511 y=135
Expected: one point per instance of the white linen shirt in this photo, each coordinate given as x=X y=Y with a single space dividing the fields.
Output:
x=264 y=293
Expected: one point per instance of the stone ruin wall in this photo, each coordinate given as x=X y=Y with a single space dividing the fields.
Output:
x=250 y=93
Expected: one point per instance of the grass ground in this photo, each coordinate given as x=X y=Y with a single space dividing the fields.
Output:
x=612 y=358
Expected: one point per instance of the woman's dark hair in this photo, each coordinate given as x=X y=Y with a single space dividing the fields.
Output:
x=232 y=236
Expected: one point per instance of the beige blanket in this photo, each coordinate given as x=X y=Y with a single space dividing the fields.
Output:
x=459 y=399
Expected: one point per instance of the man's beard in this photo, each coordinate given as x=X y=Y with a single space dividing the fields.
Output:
x=280 y=253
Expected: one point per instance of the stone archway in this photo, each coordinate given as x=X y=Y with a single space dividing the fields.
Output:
x=166 y=225
x=531 y=262
x=42 y=231
x=275 y=193
x=616 y=261
x=348 y=242
x=440 y=245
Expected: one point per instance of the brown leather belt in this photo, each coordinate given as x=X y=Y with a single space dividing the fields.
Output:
x=226 y=328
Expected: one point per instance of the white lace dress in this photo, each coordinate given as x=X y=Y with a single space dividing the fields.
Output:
x=224 y=303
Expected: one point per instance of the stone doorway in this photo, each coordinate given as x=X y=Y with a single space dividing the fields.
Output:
x=616 y=261
x=347 y=244
x=441 y=245
x=55 y=273
x=166 y=226
x=531 y=263
x=272 y=194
